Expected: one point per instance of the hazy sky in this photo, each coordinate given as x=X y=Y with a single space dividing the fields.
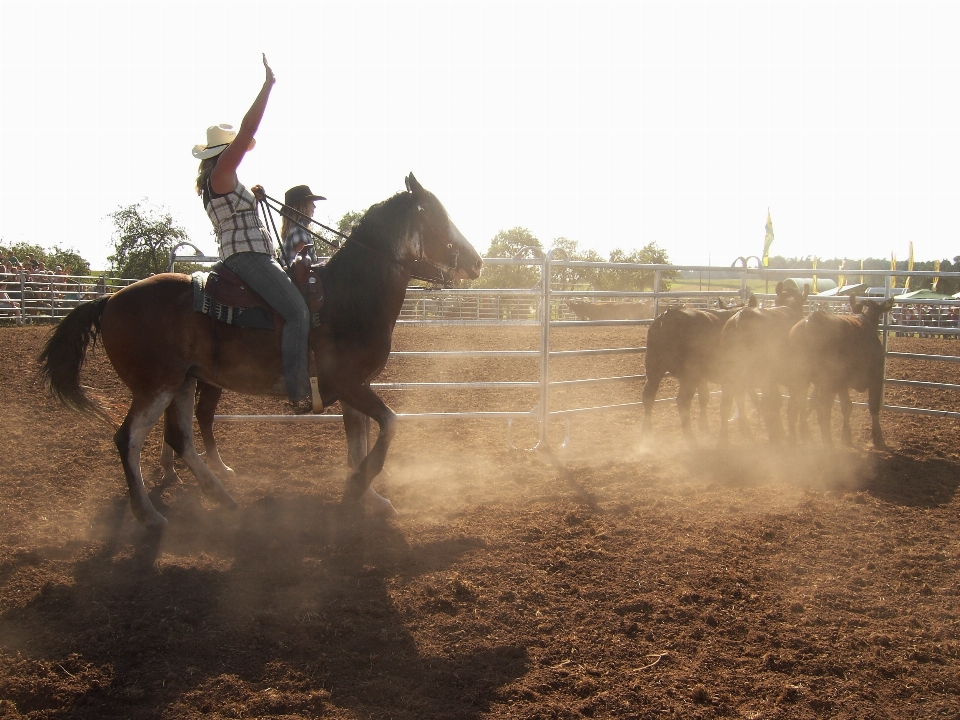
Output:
x=614 y=124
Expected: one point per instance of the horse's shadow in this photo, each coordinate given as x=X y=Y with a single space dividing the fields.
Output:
x=287 y=592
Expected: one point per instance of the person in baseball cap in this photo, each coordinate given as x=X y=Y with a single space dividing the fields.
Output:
x=299 y=205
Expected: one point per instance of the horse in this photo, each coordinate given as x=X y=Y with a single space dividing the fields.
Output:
x=160 y=347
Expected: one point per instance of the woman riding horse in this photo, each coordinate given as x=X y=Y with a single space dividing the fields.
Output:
x=246 y=247
x=161 y=347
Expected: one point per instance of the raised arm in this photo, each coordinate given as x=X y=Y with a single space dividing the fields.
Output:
x=223 y=179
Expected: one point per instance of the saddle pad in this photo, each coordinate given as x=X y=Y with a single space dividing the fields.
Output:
x=247 y=317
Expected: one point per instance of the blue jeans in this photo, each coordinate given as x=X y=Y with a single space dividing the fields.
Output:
x=264 y=274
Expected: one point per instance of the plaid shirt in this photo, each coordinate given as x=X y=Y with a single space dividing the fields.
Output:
x=236 y=223
x=295 y=237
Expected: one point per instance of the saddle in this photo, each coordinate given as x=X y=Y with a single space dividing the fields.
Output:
x=222 y=295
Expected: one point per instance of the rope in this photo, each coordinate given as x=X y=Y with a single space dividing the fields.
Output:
x=267 y=215
x=332 y=244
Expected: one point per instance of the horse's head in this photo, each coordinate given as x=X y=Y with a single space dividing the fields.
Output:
x=441 y=245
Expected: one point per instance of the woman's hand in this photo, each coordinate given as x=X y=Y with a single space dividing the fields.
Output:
x=271 y=78
x=259 y=193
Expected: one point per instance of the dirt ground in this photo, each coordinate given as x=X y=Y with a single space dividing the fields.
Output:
x=610 y=579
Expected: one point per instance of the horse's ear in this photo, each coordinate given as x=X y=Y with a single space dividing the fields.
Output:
x=414 y=187
x=779 y=288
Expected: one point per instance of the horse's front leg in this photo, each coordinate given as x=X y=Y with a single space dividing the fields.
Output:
x=357 y=427
x=365 y=401
x=178 y=434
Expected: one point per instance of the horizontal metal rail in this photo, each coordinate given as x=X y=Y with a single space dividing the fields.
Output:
x=918 y=356
x=504 y=385
x=923 y=329
x=914 y=410
x=598 y=323
x=437 y=354
x=602 y=351
x=480 y=415
x=923 y=384
x=595 y=381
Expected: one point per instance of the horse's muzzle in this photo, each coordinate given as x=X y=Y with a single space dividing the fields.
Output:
x=468 y=270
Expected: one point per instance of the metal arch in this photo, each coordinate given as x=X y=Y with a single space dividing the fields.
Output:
x=173 y=252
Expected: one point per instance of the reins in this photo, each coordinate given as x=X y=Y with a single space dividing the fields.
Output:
x=268 y=209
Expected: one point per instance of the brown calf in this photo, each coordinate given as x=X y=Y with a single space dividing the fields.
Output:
x=685 y=343
x=836 y=353
x=753 y=354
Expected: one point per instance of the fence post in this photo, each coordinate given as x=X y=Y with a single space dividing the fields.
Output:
x=887 y=287
x=545 y=319
x=656 y=293
x=23 y=299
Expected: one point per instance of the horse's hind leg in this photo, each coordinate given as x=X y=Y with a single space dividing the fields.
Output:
x=207 y=398
x=129 y=439
x=178 y=433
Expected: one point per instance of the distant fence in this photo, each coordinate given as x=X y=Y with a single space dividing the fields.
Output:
x=29 y=297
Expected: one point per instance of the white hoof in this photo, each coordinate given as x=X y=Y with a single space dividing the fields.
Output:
x=375 y=505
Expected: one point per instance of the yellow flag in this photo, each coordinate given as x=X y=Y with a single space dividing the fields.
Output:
x=861 y=270
x=767 y=239
x=842 y=279
x=906 y=285
x=936 y=279
x=813 y=290
x=893 y=266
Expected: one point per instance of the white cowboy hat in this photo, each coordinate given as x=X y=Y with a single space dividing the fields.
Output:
x=218 y=137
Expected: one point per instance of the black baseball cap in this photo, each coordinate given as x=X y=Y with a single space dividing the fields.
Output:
x=298 y=194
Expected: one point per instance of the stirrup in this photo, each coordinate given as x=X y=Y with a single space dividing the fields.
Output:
x=302 y=406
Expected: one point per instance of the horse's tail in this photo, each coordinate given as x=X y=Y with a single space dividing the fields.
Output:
x=64 y=354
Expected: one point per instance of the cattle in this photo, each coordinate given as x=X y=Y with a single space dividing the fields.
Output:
x=753 y=354
x=836 y=353
x=611 y=310
x=685 y=343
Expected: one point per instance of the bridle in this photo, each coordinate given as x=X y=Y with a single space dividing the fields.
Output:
x=440 y=276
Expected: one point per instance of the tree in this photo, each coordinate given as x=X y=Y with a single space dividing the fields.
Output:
x=143 y=240
x=510 y=244
x=349 y=221
x=649 y=254
x=949 y=285
x=573 y=278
